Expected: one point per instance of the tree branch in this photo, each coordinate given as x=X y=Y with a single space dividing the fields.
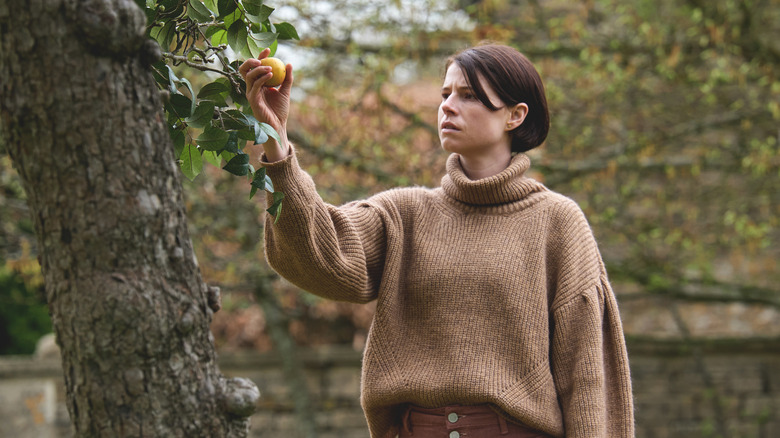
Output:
x=701 y=291
x=179 y=59
x=322 y=151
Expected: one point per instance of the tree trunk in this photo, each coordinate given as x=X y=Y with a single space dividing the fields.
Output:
x=82 y=121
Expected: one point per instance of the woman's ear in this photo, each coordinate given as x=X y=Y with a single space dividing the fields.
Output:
x=517 y=115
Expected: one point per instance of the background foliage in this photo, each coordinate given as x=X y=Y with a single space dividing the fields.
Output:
x=24 y=317
x=664 y=129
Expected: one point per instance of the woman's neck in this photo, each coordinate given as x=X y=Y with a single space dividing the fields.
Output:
x=480 y=167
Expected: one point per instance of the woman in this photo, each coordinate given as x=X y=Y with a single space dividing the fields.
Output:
x=494 y=313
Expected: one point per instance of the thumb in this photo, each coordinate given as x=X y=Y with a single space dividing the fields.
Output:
x=286 y=86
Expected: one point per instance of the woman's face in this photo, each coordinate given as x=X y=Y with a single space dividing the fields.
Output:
x=466 y=126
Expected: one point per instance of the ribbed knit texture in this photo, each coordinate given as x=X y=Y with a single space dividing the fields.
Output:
x=488 y=291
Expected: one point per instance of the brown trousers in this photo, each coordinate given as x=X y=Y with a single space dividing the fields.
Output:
x=461 y=422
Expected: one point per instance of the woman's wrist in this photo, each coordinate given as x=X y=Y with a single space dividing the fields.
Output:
x=275 y=151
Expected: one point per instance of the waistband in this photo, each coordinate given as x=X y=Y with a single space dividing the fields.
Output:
x=461 y=418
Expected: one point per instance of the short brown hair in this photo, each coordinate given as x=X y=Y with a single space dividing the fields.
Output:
x=515 y=80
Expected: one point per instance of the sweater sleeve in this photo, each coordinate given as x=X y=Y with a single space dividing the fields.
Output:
x=590 y=365
x=334 y=252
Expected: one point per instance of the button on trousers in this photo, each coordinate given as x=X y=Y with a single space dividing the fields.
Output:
x=461 y=422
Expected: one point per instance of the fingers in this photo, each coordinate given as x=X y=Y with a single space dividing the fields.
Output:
x=246 y=66
x=254 y=74
x=251 y=63
x=266 y=101
x=288 y=80
x=261 y=74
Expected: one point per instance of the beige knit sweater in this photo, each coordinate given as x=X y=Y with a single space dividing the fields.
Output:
x=489 y=291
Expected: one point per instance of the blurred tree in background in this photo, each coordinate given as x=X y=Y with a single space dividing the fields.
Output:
x=664 y=128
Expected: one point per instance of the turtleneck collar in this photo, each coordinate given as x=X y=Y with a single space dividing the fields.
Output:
x=509 y=185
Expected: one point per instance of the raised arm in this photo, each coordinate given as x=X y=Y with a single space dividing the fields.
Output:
x=335 y=252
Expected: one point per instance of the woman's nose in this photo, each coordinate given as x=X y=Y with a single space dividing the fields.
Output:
x=447 y=105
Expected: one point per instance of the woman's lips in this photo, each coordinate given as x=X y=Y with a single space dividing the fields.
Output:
x=449 y=126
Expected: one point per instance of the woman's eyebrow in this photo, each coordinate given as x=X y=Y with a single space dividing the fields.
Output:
x=460 y=88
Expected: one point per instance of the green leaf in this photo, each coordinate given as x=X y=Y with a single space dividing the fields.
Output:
x=172 y=80
x=160 y=73
x=187 y=83
x=246 y=134
x=252 y=192
x=259 y=177
x=260 y=136
x=252 y=48
x=211 y=30
x=235 y=65
x=191 y=162
x=271 y=132
x=232 y=18
x=237 y=35
x=177 y=137
x=238 y=97
x=219 y=37
x=226 y=7
x=180 y=105
x=255 y=7
x=171 y=116
x=199 y=12
x=276 y=208
x=202 y=115
x=235 y=120
x=211 y=4
x=227 y=156
x=164 y=35
x=216 y=92
x=212 y=157
x=246 y=52
x=213 y=139
x=215 y=87
x=274 y=45
x=231 y=145
x=262 y=181
x=261 y=16
x=286 y=31
x=263 y=39
x=149 y=11
x=173 y=8
x=174 y=88
x=238 y=165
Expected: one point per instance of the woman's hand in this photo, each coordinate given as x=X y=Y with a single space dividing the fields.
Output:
x=269 y=105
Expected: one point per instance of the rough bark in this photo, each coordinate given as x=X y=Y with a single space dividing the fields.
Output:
x=81 y=119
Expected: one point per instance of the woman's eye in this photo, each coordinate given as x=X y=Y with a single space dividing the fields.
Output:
x=469 y=96
x=444 y=96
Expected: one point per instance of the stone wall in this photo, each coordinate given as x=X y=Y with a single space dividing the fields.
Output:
x=682 y=390
x=706 y=389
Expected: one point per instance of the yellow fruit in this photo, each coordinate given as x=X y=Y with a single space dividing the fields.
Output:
x=277 y=69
